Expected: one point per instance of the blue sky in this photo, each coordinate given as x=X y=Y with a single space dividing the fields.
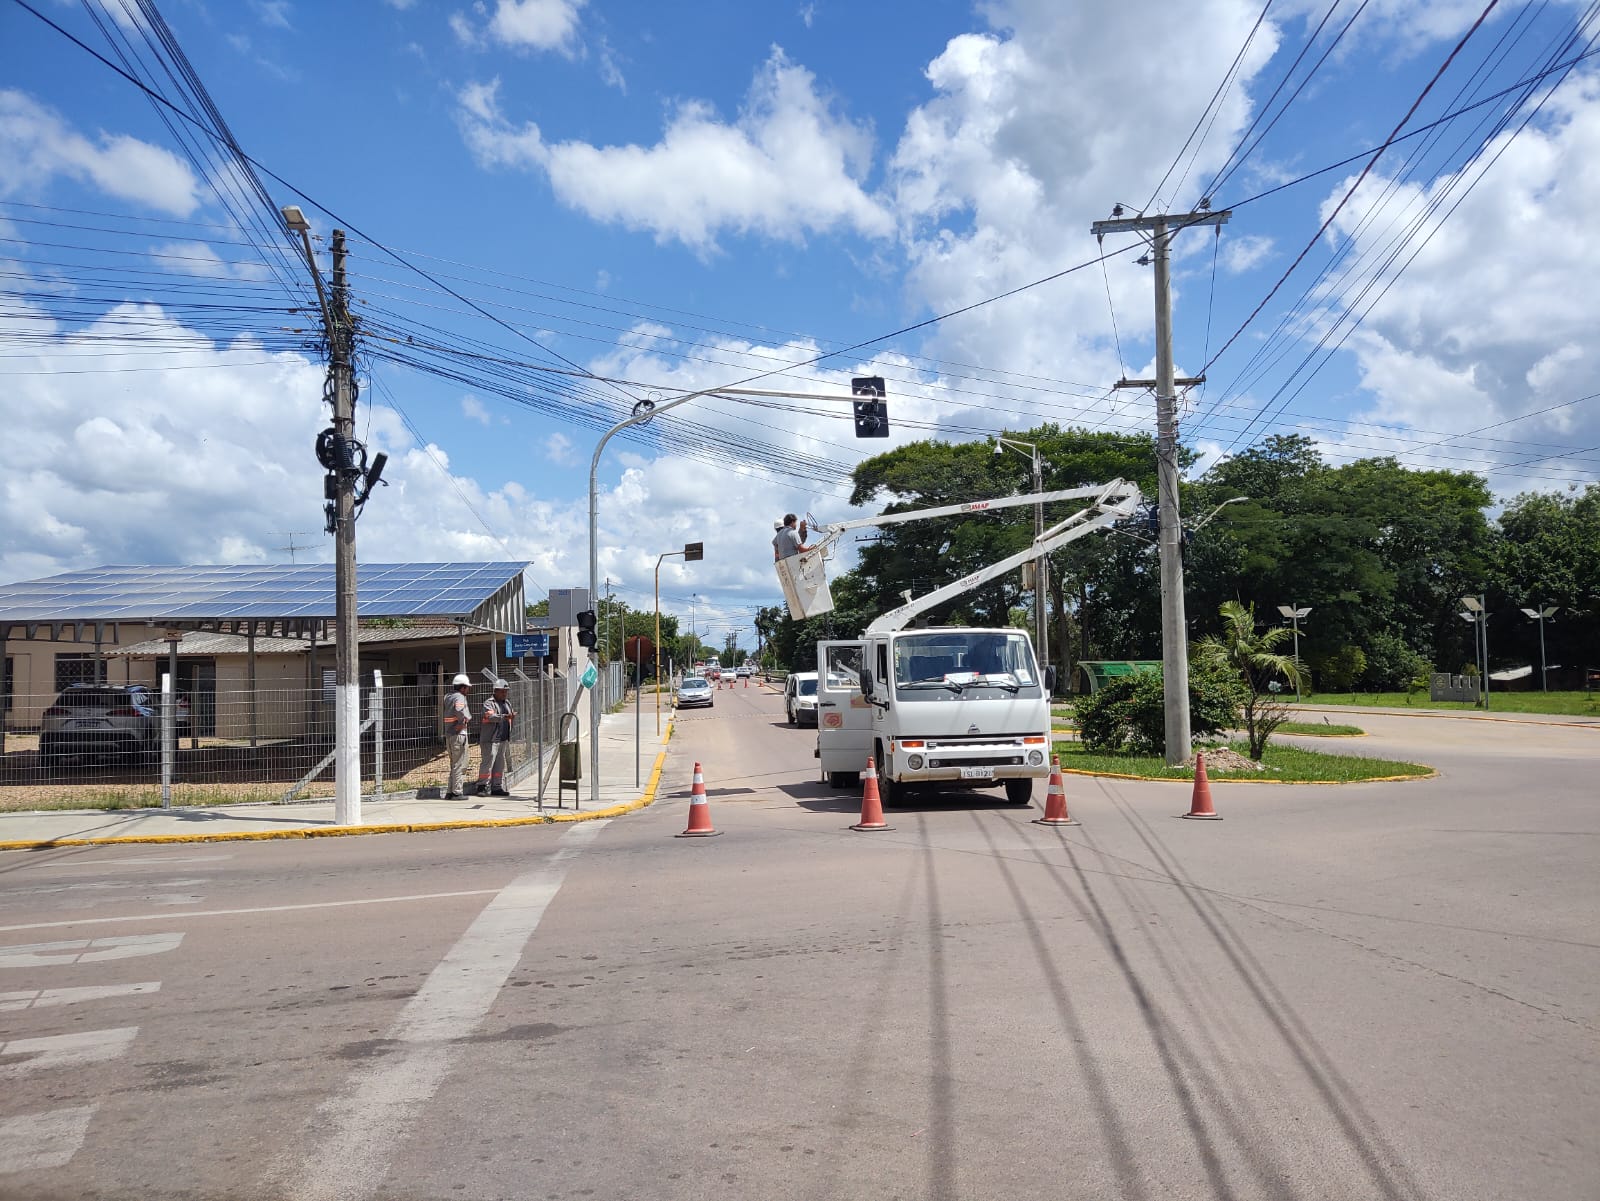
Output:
x=680 y=197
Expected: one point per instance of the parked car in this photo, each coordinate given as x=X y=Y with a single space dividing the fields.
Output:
x=800 y=698
x=692 y=691
x=96 y=720
x=745 y=670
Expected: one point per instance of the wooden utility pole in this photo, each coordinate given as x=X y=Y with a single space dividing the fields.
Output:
x=1174 y=623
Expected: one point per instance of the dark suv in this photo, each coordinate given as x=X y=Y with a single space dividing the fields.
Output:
x=95 y=720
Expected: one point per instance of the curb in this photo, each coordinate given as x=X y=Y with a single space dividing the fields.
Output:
x=646 y=798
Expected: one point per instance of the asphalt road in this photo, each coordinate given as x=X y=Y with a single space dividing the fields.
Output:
x=1387 y=991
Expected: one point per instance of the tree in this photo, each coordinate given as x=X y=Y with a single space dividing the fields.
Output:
x=1255 y=660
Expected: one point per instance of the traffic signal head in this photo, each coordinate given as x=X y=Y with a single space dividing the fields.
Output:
x=586 y=628
x=872 y=414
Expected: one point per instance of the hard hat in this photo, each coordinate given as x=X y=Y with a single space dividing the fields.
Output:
x=461 y=678
x=499 y=684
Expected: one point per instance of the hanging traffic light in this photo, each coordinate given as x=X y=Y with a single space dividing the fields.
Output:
x=586 y=628
x=872 y=415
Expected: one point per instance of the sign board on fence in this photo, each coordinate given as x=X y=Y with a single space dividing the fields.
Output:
x=521 y=645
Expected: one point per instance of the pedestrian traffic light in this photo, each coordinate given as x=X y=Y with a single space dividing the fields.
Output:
x=872 y=415
x=586 y=628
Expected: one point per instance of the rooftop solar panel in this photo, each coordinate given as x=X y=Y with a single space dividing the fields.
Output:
x=222 y=592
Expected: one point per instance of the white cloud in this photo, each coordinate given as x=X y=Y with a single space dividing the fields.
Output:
x=401 y=5
x=611 y=68
x=474 y=410
x=808 y=14
x=522 y=25
x=273 y=13
x=1245 y=253
x=788 y=165
x=37 y=145
x=1465 y=338
x=560 y=449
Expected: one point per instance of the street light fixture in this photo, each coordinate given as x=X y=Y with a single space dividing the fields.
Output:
x=1478 y=613
x=1291 y=612
x=1041 y=565
x=1539 y=615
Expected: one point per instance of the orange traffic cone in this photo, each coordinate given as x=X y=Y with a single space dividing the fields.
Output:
x=699 y=811
x=871 y=806
x=1055 y=800
x=1201 y=805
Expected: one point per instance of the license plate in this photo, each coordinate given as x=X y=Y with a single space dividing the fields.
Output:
x=90 y=725
x=977 y=773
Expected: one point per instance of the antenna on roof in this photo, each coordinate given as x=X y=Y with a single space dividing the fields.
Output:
x=290 y=535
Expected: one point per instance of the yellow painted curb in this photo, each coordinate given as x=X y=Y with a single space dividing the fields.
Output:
x=541 y=819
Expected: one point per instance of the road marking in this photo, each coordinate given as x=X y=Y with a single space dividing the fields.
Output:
x=88 y=950
x=65 y=1050
x=45 y=998
x=37 y=1141
x=167 y=917
x=358 y=1130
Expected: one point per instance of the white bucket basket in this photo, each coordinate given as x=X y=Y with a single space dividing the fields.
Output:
x=805 y=585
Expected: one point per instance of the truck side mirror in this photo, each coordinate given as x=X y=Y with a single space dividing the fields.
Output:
x=1050 y=679
x=866 y=682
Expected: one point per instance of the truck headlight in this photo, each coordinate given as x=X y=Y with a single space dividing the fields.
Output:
x=914 y=762
x=1035 y=758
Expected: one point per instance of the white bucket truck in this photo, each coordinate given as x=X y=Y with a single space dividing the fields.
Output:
x=939 y=705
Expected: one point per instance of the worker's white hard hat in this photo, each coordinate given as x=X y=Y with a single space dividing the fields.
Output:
x=499 y=684
x=461 y=678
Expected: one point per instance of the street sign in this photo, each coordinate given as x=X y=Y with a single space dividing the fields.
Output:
x=589 y=676
x=520 y=646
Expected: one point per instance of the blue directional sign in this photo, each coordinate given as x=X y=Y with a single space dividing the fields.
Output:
x=535 y=646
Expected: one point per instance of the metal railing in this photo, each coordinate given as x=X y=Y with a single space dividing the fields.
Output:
x=270 y=745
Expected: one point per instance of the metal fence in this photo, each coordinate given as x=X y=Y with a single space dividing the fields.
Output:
x=270 y=745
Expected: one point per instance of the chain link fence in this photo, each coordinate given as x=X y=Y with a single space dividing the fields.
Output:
x=118 y=746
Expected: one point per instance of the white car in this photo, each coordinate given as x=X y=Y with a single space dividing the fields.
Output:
x=800 y=698
x=693 y=690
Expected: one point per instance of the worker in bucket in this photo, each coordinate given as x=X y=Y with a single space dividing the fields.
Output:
x=494 y=742
x=789 y=540
x=456 y=717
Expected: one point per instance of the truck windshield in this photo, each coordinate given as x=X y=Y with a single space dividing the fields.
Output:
x=955 y=660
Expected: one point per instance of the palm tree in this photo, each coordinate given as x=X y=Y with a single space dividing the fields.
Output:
x=1255 y=660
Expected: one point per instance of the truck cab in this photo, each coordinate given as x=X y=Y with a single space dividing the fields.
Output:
x=957 y=706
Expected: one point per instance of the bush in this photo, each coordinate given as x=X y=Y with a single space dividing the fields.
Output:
x=1339 y=671
x=1129 y=712
x=1391 y=664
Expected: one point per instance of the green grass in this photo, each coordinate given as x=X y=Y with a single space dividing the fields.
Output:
x=1577 y=703
x=1324 y=729
x=1286 y=764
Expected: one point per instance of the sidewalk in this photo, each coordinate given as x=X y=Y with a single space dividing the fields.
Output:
x=389 y=815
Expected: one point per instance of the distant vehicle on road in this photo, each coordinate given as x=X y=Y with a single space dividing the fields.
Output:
x=745 y=670
x=694 y=690
x=800 y=698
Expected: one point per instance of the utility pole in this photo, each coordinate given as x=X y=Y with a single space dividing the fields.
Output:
x=1174 y=624
x=347 y=702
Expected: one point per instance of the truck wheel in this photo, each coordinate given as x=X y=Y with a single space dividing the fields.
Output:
x=1019 y=792
x=889 y=793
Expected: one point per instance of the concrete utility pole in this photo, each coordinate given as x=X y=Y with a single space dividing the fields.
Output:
x=347 y=698
x=1174 y=624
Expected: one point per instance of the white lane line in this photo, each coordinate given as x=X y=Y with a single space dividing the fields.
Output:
x=358 y=1131
x=167 y=917
x=65 y=1050
x=45 y=998
x=37 y=1141
x=88 y=950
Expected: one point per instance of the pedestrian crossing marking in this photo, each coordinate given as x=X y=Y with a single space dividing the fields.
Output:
x=88 y=950
x=44 y=998
x=64 y=1050
x=37 y=1142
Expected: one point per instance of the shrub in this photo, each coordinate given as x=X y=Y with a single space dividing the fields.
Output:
x=1339 y=671
x=1391 y=664
x=1129 y=712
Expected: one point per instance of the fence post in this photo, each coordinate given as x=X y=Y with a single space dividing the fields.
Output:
x=169 y=738
x=375 y=710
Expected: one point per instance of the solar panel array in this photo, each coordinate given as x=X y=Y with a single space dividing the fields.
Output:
x=269 y=592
